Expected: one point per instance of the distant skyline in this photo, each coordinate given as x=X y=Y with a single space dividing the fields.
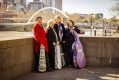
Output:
x=88 y=6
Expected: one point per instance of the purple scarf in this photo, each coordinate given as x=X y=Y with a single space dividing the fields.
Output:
x=60 y=31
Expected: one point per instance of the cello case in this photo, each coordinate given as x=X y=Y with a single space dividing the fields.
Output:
x=79 y=59
x=42 y=60
x=58 y=63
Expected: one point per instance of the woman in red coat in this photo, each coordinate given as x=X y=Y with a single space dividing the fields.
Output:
x=40 y=39
x=39 y=35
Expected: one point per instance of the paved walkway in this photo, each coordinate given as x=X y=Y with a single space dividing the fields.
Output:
x=11 y=35
x=76 y=74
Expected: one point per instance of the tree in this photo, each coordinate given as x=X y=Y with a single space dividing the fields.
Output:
x=113 y=21
x=116 y=7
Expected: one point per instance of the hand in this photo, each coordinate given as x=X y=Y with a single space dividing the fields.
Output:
x=72 y=29
x=42 y=45
x=58 y=42
x=54 y=43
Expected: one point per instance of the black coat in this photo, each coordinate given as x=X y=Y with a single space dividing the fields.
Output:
x=57 y=30
x=69 y=37
x=51 y=38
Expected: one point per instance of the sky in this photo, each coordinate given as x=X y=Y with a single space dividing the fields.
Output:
x=89 y=6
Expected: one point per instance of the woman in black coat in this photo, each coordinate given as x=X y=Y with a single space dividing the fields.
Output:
x=69 y=41
x=52 y=41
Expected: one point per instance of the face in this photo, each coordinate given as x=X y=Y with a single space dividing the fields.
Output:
x=58 y=20
x=70 y=24
x=51 y=24
x=39 y=21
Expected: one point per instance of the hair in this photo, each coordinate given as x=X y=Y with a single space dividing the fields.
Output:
x=48 y=23
x=57 y=17
x=71 y=21
x=38 y=18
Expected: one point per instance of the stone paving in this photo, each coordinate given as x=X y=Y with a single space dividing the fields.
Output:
x=90 y=73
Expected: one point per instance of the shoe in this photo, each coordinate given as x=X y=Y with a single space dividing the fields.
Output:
x=69 y=66
x=50 y=70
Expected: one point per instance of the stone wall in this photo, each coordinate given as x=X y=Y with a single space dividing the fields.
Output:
x=101 y=51
x=16 y=58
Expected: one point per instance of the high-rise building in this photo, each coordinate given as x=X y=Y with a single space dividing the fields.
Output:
x=7 y=1
x=35 y=5
x=22 y=2
x=99 y=15
x=53 y=3
x=47 y=3
x=36 y=0
x=59 y=4
x=1 y=3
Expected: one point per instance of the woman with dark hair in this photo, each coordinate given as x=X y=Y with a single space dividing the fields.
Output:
x=69 y=41
x=74 y=50
x=40 y=47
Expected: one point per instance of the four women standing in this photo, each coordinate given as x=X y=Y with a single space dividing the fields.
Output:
x=59 y=41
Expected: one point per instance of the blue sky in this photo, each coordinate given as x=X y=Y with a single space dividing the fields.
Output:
x=89 y=6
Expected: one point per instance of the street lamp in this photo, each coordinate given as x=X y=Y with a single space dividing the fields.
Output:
x=92 y=19
x=104 y=21
x=115 y=20
x=91 y=23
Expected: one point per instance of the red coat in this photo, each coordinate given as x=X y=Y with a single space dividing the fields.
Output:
x=39 y=37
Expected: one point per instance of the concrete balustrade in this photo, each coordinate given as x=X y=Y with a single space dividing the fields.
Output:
x=101 y=51
x=16 y=53
x=16 y=58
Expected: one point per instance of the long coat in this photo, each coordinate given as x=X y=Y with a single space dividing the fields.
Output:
x=51 y=38
x=39 y=38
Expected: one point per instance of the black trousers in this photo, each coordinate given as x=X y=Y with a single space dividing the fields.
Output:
x=51 y=56
x=69 y=56
x=36 y=61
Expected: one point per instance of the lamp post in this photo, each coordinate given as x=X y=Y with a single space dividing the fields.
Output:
x=115 y=20
x=91 y=23
x=104 y=21
x=104 y=27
